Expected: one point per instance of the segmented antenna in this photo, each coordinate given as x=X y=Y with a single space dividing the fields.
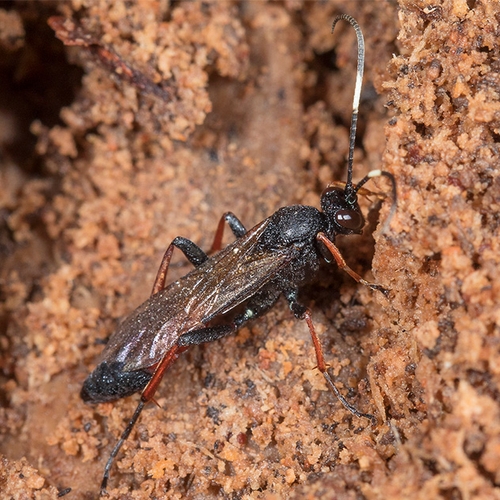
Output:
x=349 y=190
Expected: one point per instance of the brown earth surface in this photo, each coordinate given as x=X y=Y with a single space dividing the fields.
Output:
x=152 y=120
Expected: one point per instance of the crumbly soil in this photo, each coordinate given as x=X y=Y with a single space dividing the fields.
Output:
x=149 y=122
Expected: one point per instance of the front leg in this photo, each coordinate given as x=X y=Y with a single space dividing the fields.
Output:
x=335 y=252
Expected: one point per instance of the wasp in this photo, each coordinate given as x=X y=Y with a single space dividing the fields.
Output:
x=234 y=285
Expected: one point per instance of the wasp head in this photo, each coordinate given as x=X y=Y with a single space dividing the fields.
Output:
x=342 y=211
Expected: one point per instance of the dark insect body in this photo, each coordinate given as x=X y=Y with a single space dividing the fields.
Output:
x=236 y=284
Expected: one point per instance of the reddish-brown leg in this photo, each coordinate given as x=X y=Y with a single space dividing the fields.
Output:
x=161 y=275
x=146 y=396
x=149 y=391
x=321 y=237
x=194 y=254
x=219 y=233
x=322 y=367
x=235 y=225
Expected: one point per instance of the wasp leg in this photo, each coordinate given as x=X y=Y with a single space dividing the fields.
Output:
x=235 y=225
x=255 y=307
x=302 y=312
x=203 y=335
x=335 y=252
x=191 y=250
x=193 y=253
x=258 y=305
x=146 y=396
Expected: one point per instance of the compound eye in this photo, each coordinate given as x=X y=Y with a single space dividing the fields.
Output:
x=349 y=219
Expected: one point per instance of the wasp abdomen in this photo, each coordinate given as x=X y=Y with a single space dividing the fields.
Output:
x=109 y=382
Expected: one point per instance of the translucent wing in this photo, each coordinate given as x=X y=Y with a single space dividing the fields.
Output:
x=221 y=283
